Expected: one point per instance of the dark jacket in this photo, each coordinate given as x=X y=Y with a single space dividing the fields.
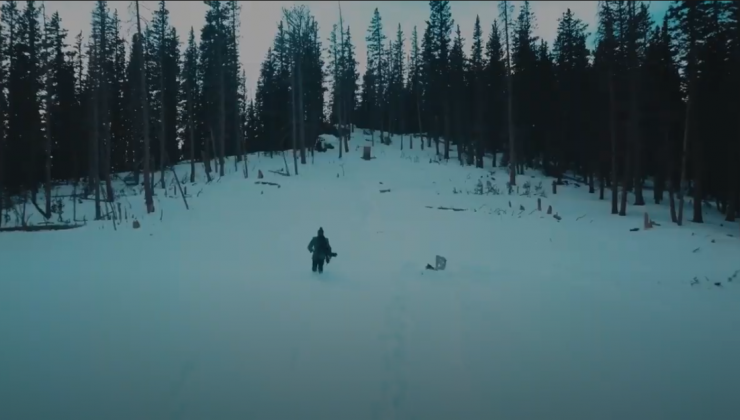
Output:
x=320 y=247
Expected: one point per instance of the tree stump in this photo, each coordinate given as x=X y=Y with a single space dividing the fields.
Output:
x=549 y=209
x=554 y=187
x=646 y=222
x=539 y=204
x=366 y=153
x=136 y=224
x=259 y=174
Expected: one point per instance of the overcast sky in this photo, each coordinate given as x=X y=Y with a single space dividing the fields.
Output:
x=259 y=20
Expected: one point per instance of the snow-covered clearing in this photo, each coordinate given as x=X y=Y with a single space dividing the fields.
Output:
x=213 y=313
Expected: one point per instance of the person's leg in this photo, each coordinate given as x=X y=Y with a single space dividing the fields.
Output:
x=314 y=265
x=321 y=266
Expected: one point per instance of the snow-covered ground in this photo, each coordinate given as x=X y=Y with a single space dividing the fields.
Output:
x=213 y=312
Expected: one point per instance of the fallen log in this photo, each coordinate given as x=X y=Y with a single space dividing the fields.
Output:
x=278 y=172
x=268 y=183
x=446 y=208
x=39 y=228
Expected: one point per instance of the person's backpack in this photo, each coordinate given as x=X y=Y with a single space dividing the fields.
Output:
x=322 y=244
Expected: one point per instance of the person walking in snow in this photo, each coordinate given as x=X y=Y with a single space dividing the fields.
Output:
x=321 y=250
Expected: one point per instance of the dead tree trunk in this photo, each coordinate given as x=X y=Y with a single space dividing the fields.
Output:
x=510 y=101
x=301 y=113
x=191 y=131
x=613 y=135
x=95 y=128
x=148 y=193
x=418 y=117
x=47 y=143
x=240 y=132
x=294 y=101
x=221 y=99
x=104 y=115
x=162 y=109
x=684 y=157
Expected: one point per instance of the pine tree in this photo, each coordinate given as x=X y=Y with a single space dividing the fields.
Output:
x=64 y=119
x=375 y=45
x=415 y=88
x=689 y=24
x=24 y=139
x=505 y=12
x=441 y=25
x=524 y=61
x=571 y=66
x=476 y=89
x=188 y=94
x=121 y=133
x=495 y=78
x=457 y=90
x=398 y=75
x=350 y=77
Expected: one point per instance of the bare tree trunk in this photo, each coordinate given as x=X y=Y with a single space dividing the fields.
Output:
x=235 y=98
x=510 y=100
x=301 y=113
x=104 y=115
x=684 y=157
x=698 y=184
x=625 y=178
x=338 y=81
x=240 y=127
x=447 y=129
x=191 y=133
x=613 y=135
x=221 y=98
x=95 y=127
x=418 y=117
x=162 y=109
x=672 y=201
x=47 y=144
x=148 y=193
x=214 y=152
x=295 y=117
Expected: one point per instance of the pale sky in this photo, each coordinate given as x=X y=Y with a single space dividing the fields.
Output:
x=259 y=20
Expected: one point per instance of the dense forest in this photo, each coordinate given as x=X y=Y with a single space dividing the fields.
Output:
x=650 y=110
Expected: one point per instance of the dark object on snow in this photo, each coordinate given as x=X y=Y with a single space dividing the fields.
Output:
x=440 y=263
x=446 y=208
x=274 y=184
x=429 y=267
x=634 y=229
x=320 y=147
x=321 y=250
x=718 y=284
x=385 y=191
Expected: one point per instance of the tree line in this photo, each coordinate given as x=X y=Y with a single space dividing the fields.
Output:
x=649 y=108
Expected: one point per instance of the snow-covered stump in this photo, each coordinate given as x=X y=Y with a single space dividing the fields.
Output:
x=366 y=153
x=646 y=222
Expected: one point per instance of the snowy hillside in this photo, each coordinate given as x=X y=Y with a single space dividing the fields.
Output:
x=213 y=312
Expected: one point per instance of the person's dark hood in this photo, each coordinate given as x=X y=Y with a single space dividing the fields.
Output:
x=321 y=231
